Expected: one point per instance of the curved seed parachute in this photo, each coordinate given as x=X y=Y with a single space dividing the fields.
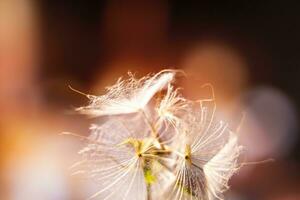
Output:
x=155 y=144
x=127 y=96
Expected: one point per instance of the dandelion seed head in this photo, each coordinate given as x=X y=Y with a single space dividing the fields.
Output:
x=175 y=149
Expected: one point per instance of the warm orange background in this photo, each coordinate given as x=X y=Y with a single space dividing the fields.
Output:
x=248 y=51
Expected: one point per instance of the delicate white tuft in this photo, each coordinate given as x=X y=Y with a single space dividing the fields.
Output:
x=221 y=167
x=127 y=96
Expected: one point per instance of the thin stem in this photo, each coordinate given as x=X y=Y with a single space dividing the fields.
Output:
x=149 y=192
x=149 y=123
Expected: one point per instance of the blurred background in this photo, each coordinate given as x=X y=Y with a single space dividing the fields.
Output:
x=249 y=51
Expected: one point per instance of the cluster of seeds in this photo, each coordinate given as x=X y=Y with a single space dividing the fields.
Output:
x=154 y=144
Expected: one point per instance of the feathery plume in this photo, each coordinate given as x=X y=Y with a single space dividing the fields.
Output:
x=127 y=96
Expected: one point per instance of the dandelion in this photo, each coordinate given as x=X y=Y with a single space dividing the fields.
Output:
x=152 y=148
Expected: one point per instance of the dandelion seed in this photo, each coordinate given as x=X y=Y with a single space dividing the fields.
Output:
x=127 y=96
x=209 y=153
x=171 y=105
x=112 y=159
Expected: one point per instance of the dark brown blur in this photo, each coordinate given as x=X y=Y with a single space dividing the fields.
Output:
x=248 y=51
